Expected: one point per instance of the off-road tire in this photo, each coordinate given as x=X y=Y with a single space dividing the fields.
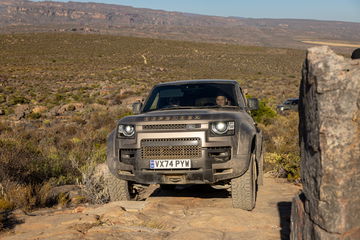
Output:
x=260 y=176
x=243 y=188
x=119 y=190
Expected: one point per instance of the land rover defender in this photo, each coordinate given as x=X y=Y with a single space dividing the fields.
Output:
x=189 y=132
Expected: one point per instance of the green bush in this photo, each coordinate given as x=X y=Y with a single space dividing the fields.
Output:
x=13 y=100
x=282 y=145
x=284 y=165
x=34 y=115
x=21 y=161
x=264 y=114
x=5 y=205
x=281 y=135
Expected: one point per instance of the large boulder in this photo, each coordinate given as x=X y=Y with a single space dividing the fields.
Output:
x=330 y=148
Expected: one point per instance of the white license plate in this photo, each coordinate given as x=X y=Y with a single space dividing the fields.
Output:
x=170 y=164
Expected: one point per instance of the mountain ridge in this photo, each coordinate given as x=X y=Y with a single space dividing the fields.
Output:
x=29 y=16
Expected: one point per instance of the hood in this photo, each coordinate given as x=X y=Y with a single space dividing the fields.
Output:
x=187 y=114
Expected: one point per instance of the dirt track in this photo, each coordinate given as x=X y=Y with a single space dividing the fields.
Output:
x=194 y=212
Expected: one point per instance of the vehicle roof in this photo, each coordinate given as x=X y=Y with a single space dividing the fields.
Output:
x=198 y=81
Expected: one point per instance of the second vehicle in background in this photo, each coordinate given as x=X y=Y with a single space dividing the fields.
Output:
x=289 y=104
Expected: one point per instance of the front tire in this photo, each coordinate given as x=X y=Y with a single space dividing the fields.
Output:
x=119 y=190
x=243 y=188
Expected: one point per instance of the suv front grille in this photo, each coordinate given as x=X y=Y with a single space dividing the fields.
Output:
x=171 y=148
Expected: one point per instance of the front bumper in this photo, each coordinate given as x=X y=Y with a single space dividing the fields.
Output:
x=203 y=170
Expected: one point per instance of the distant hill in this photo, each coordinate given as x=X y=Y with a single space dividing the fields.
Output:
x=28 y=16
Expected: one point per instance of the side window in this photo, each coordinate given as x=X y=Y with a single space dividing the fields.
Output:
x=242 y=98
x=154 y=105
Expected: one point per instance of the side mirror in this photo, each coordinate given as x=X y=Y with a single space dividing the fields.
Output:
x=136 y=107
x=253 y=104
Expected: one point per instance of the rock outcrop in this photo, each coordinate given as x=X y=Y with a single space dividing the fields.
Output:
x=329 y=131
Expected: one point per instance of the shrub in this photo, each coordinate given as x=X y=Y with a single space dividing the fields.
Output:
x=101 y=101
x=264 y=114
x=13 y=100
x=22 y=162
x=284 y=165
x=21 y=195
x=281 y=134
x=58 y=98
x=5 y=205
x=281 y=141
x=34 y=115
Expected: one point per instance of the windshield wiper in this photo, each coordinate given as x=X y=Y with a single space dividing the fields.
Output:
x=176 y=107
x=218 y=106
x=191 y=107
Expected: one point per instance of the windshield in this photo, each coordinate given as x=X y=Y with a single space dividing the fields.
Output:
x=291 y=102
x=203 y=95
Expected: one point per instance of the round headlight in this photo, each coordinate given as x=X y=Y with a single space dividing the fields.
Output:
x=126 y=130
x=220 y=127
x=129 y=130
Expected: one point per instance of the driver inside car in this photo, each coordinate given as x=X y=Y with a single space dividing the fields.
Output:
x=222 y=100
x=174 y=101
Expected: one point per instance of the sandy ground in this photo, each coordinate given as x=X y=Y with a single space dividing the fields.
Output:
x=334 y=44
x=189 y=212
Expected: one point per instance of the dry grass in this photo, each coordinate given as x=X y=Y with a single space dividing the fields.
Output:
x=75 y=87
x=5 y=205
x=49 y=69
x=54 y=153
x=282 y=146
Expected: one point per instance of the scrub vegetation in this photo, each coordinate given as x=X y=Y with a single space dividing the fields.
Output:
x=61 y=93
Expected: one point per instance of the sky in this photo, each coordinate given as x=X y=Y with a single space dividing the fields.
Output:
x=341 y=10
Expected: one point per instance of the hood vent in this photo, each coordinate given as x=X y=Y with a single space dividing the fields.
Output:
x=172 y=118
x=171 y=126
